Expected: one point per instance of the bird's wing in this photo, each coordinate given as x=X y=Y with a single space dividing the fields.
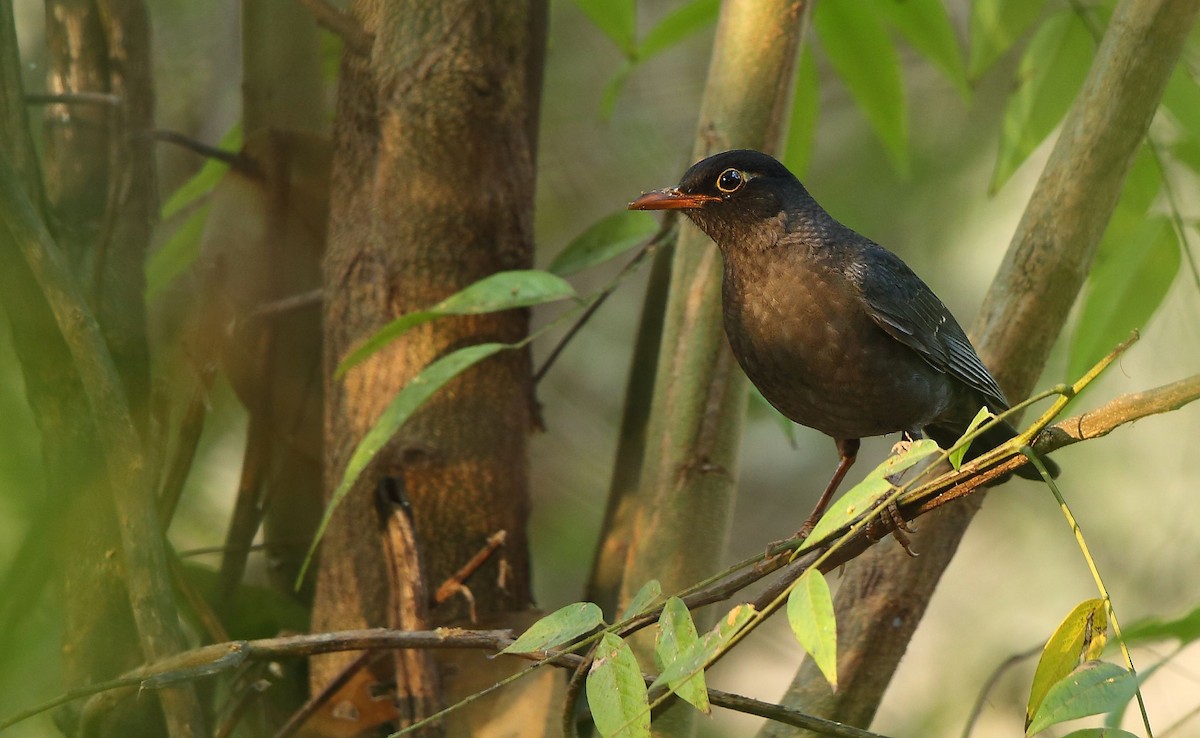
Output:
x=907 y=309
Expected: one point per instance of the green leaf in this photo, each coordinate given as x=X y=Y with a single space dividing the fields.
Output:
x=609 y=237
x=202 y=182
x=994 y=26
x=859 y=48
x=1100 y=733
x=1080 y=636
x=980 y=418
x=1182 y=98
x=700 y=654
x=1185 y=629
x=650 y=593
x=677 y=25
x=500 y=291
x=1124 y=290
x=561 y=626
x=617 y=19
x=396 y=414
x=178 y=253
x=676 y=634
x=1095 y=687
x=810 y=613
x=616 y=692
x=870 y=490
x=1049 y=77
x=926 y=25
x=806 y=103
x=612 y=90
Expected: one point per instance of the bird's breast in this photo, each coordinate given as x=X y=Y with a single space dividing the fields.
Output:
x=803 y=337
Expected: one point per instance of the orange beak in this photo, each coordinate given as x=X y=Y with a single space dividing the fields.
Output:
x=670 y=199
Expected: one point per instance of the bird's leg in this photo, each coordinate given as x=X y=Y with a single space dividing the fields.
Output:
x=893 y=522
x=848 y=452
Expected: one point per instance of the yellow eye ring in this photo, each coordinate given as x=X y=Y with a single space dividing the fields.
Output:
x=731 y=180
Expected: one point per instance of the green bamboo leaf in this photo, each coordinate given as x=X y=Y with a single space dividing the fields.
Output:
x=860 y=49
x=1095 y=687
x=994 y=27
x=616 y=692
x=559 y=627
x=1185 y=629
x=1124 y=290
x=1100 y=733
x=677 y=25
x=980 y=418
x=607 y=238
x=926 y=26
x=396 y=414
x=806 y=104
x=862 y=496
x=1049 y=77
x=676 y=634
x=810 y=613
x=617 y=19
x=500 y=291
x=700 y=654
x=203 y=181
x=1072 y=643
x=612 y=90
x=178 y=253
x=650 y=593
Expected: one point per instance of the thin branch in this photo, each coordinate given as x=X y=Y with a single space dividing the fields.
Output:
x=106 y=99
x=341 y=24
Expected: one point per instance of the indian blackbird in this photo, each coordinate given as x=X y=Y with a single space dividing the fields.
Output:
x=834 y=330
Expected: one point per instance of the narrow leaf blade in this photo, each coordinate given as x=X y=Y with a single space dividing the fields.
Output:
x=178 y=253
x=994 y=26
x=616 y=692
x=701 y=653
x=810 y=613
x=609 y=237
x=676 y=634
x=203 y=181
x=677 y=25
x=561 y=626
x=650 y=593
x=980 y=418
x=616 y=18
x=926 y=26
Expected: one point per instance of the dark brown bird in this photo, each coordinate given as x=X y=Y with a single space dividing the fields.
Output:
x=833 y=329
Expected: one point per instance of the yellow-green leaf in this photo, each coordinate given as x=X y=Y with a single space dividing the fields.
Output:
x=994 y=26
x=649 y=594
x=676 y=634
x=980 y=418
x=806 y=102
x=1095 y=687
x=561 y=626
x=611 y=236
x=810 y=613
x=700 y=654
x=616 y=692
x=1080 y=636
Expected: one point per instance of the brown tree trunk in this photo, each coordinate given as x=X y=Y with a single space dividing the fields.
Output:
x=432 y=189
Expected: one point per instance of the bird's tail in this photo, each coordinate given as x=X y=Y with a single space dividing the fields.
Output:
x=998 y=434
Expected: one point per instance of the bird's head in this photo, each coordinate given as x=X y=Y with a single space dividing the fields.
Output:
x=732 y=196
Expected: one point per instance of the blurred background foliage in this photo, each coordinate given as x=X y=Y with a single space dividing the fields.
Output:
x=921 y=124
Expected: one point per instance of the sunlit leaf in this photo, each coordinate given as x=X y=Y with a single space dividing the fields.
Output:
x=1095 y=687
x=870 y=490
x=616 y=18
x=926 y=25
x=395 y=415
x=1072 y=643
x=559 y=627
x=698 y=655
x=616 y=692
x=994 y=26
x=202 y=182
x=677 y=634
x=609 y=237
x=1124 y=290
x=500 y=291
x=810 y=613
x=649 y=594
x=980 y=418
x=806 y=103
x=860 y=49
x=178 y=253
x=1050 y=74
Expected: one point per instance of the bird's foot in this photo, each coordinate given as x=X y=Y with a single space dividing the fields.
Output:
x=892 y=522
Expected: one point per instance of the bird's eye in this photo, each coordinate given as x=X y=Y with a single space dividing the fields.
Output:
x=731 y=180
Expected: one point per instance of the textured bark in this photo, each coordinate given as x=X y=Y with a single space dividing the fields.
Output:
x=432 y=189
x=884 y=594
